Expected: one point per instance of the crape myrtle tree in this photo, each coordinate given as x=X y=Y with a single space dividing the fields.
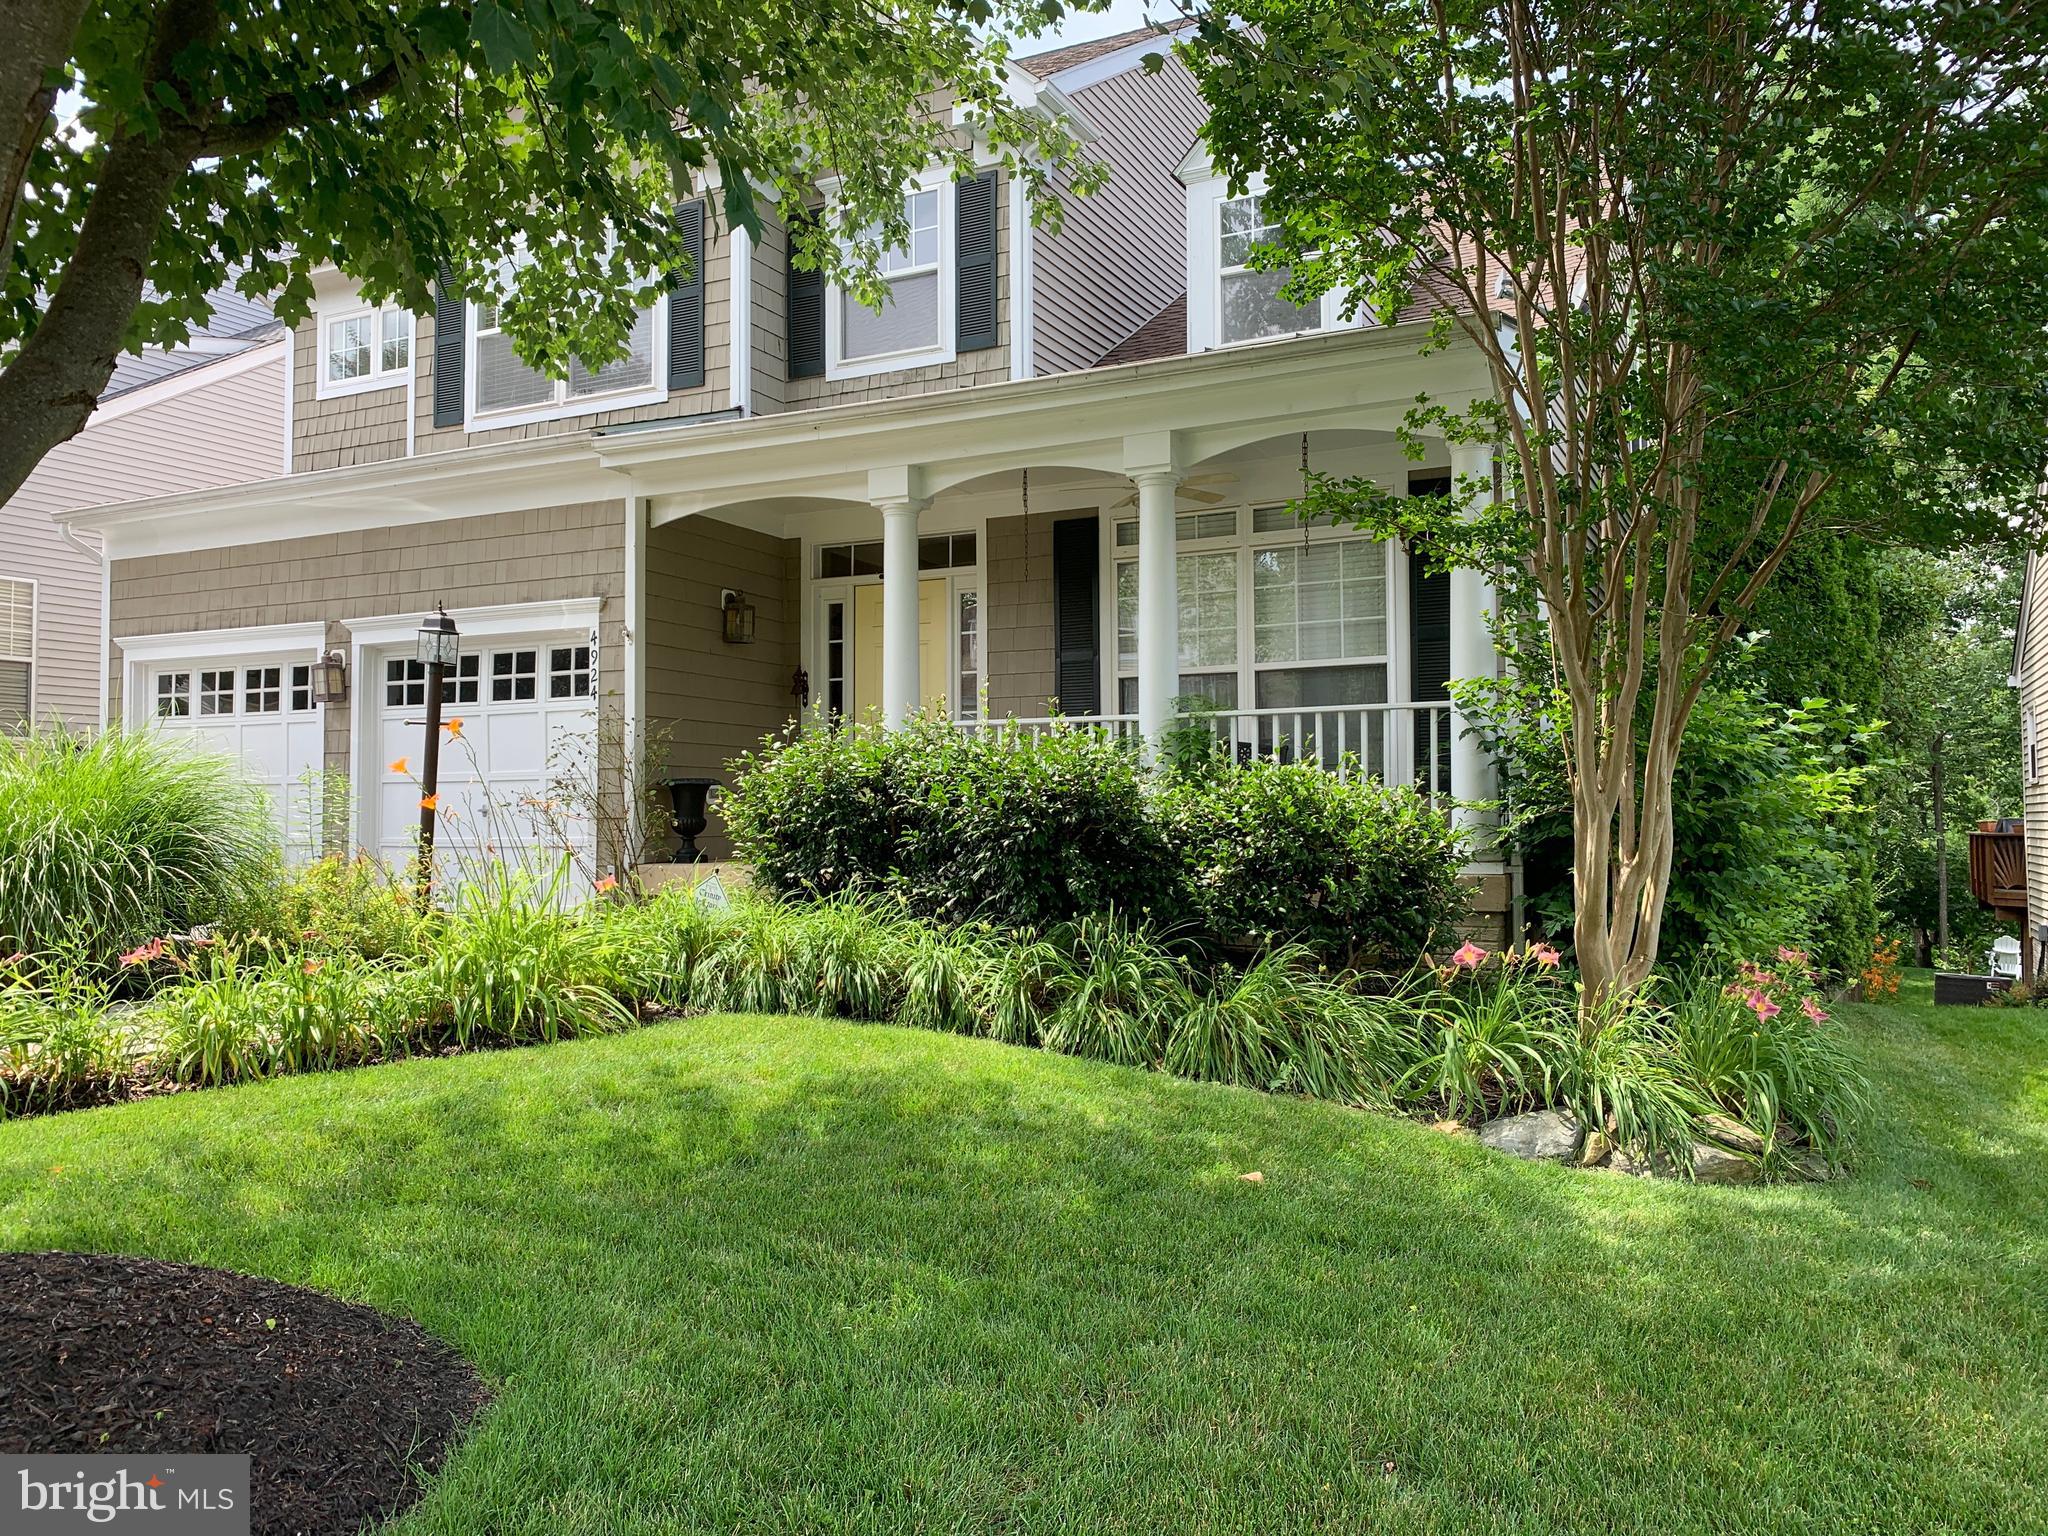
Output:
x=1742 y=271
x=249 y=141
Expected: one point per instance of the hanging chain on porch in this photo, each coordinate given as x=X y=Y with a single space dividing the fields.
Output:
x=1304 y=492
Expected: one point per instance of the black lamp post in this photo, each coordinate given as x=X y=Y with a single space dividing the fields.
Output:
x=439 y=645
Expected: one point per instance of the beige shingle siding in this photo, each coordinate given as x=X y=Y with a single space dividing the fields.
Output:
x=1020 y=651
x=712 y=700
x=541 y=555
x=1121 y=254
x=2034 y=697
x=225 y=427
x=716 y=394
x=365 y=428
x=770 y=271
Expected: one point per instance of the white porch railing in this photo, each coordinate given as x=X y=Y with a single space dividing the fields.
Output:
x=1394 y=743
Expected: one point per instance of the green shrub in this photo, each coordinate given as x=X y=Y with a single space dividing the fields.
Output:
x=334 y=906
x=988 y=826
x=109 y=842
x=1278 y=853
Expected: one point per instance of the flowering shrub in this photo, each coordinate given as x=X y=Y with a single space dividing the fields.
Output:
x=1880 y=974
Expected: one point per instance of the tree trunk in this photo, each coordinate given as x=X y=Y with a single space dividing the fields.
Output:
x=35 y=41
x=49 y=390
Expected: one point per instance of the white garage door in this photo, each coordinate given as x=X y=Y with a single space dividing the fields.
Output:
x=257 y=710
x=517 y=783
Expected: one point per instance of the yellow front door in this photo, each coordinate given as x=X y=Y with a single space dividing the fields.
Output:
x=932 y=668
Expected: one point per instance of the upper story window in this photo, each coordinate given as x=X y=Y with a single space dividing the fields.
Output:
x=1231 y=302
x=505 y=390
x=1249 y=306
x=915 y=324
x=364 y=348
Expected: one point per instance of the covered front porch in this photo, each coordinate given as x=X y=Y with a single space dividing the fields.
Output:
x=1025 y=566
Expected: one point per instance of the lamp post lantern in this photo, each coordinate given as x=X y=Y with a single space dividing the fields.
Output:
x=439 y=646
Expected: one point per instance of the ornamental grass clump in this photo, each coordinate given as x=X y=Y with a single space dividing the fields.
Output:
x=109 y=842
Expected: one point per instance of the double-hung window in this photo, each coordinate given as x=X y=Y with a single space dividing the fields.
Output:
x=17 y=654
x=1248 y=302
x=504 y=388
x=914 y=325
x=364 y=349
x=1270 y=617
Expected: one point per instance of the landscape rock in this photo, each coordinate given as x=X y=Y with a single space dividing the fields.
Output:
x=1809 y=1165
x=1714 y=1164
x=1733 y=1134
x=1596 y=1149
x=1543 y=1135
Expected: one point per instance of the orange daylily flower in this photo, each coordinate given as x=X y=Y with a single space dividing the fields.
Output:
x=454 y=728
x=429 y=802
x=401 y=766
x=607 y=883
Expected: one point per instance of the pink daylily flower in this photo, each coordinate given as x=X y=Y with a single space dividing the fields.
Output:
x=1469 y=956
x=1813 y=1010
x=142 y=954
x=1763 y=1007
x=1546 y=956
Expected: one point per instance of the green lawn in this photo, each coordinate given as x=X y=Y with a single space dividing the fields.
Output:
x=768 y=1275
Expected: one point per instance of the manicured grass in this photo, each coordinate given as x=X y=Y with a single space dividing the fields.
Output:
x=758 y=1274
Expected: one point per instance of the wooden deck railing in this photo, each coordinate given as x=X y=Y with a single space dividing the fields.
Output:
x=1998 y=870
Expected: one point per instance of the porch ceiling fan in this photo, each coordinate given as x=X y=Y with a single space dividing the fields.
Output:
x=1208 y=488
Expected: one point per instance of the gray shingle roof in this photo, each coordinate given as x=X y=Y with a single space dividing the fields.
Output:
x=237 y=323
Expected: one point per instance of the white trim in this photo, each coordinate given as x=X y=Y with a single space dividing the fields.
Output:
x=492 y=622
x=946 y=347
x=1107 y=66
x=1023 y=322
x=379 y=377
x=230 y=365
x=226 y=644
x=291 y=346
x=106 y=637
x=35 y=671
x=1205 y=199
x=633 y=706
x=654 y=392
x=740 y=331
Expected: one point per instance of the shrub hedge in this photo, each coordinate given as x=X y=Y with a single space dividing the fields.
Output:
x=1030 y=833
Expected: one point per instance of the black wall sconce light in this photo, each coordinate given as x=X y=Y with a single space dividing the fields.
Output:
x=330 y=679
x=739 y=617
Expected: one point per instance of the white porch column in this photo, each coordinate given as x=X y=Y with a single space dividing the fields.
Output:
x=900 y=682
x=633 y=704
x=1158 y=602
x=1472 y=656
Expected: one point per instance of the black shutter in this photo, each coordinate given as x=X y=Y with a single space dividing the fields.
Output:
x=974 y=235
x=804 y=293
x=1429 y=641
x=449 y=352
x=686 y=304
x=1076 y=617
x=1429 y=608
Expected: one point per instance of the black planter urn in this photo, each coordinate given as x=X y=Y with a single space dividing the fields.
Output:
x=689 y=798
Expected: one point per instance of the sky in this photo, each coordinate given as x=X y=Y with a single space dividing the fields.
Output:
x=1086 y=26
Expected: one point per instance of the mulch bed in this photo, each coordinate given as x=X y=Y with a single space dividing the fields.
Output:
x=341 y=1408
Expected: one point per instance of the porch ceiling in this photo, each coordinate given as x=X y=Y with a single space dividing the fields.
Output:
x=1173 y=413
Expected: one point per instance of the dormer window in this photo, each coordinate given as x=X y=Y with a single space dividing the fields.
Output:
x=1230 y=301
x=1249 y=306
x=915 y=327
x=363 y=347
